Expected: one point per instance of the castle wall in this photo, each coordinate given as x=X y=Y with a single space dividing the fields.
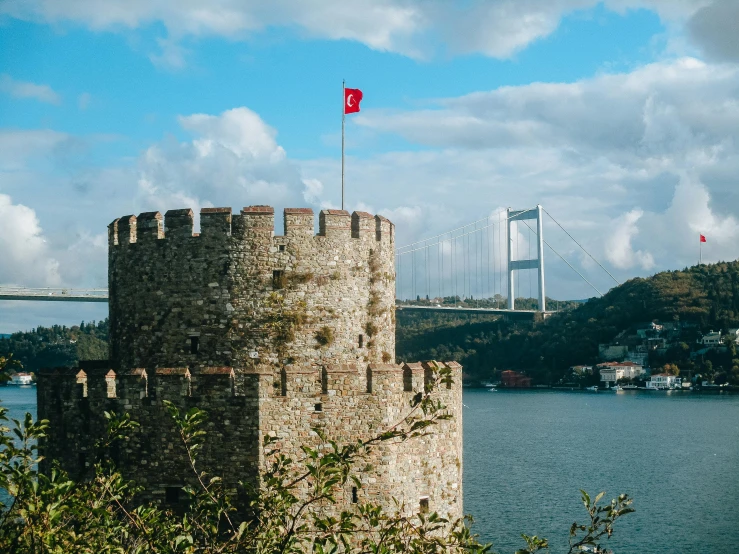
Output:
x=270 y=335
x=347 y=401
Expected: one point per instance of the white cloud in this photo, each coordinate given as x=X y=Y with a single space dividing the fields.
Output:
x=233 y=160
x=23 y=249
x=416 y=28
x=631 y=110
x=313 y=191
x=24 y=89
x=618 y=247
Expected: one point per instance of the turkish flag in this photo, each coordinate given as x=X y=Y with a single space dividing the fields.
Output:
x=703 y=239
x=352 y=98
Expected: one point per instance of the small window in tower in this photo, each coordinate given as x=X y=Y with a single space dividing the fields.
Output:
x=278 y=279
x=319 y=407
x=355 y=497
x=361 y=341
x=282 y=248
x=172 y=494
x=423 y=507
x=194 y=345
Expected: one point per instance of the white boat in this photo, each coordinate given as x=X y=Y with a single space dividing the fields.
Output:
x=629 y=387
x=617 y=388
x=594 y=388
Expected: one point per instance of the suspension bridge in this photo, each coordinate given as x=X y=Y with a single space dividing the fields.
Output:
x=484 y=266
x=475 y=268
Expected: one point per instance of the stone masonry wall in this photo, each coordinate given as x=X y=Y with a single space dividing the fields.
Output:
x=234 y=286
x=270 y=335
x=347 y=401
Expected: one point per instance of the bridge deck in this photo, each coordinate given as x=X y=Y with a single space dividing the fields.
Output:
x=467 y=310
x=101 y=295
x=54 y=295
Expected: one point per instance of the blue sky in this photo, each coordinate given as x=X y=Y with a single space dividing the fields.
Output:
x=619 y=116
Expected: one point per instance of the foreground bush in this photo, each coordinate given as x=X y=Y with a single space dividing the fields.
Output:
x=294 y=510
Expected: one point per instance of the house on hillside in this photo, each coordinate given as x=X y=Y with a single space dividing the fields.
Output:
x=712 y=338
x=611 y=372
x=647 y=330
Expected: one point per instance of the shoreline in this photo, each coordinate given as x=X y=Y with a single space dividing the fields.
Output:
x=712 y=391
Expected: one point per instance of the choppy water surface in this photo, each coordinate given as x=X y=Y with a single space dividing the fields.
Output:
x=527 y=454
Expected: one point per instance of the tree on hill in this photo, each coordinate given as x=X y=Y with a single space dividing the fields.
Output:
x=58 y=345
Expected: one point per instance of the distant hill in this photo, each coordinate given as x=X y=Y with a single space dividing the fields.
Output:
x=58 y=345
x=705 y=295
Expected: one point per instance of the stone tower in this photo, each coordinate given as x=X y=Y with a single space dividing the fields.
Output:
x=269 y=335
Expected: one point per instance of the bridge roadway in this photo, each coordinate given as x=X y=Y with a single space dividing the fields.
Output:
x=520 y=314
x=101 y=295
x=54 y=295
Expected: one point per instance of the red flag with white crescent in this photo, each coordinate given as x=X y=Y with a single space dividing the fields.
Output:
x=352 y=98
x=703 y=239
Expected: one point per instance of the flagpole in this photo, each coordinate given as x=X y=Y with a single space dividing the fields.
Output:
x=700 y=250
x=343 y=116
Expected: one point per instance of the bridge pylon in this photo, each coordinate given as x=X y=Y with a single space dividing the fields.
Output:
x=538 y=263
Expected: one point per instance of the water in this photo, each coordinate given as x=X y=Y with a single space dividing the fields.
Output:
x=526 y=455
x=18 y=400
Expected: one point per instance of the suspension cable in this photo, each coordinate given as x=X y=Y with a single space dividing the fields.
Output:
x=529 y=271
x=582 y=247
x=569 y=264
x=402 y=250
x=445 y=233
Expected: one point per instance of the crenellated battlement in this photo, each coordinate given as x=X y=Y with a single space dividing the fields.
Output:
x=179 y=298
x=100 y=386
x=252 y=222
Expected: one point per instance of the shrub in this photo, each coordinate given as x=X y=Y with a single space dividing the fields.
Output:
x=325 y=336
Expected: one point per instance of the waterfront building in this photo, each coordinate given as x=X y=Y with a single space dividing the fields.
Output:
x=21 y=379
x=664 y=381
x=611 y=372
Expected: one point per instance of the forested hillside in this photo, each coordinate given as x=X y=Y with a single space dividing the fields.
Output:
x=707 y=295
x=58 y=345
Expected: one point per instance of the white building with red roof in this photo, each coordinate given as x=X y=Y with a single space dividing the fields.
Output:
x=611 y=372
